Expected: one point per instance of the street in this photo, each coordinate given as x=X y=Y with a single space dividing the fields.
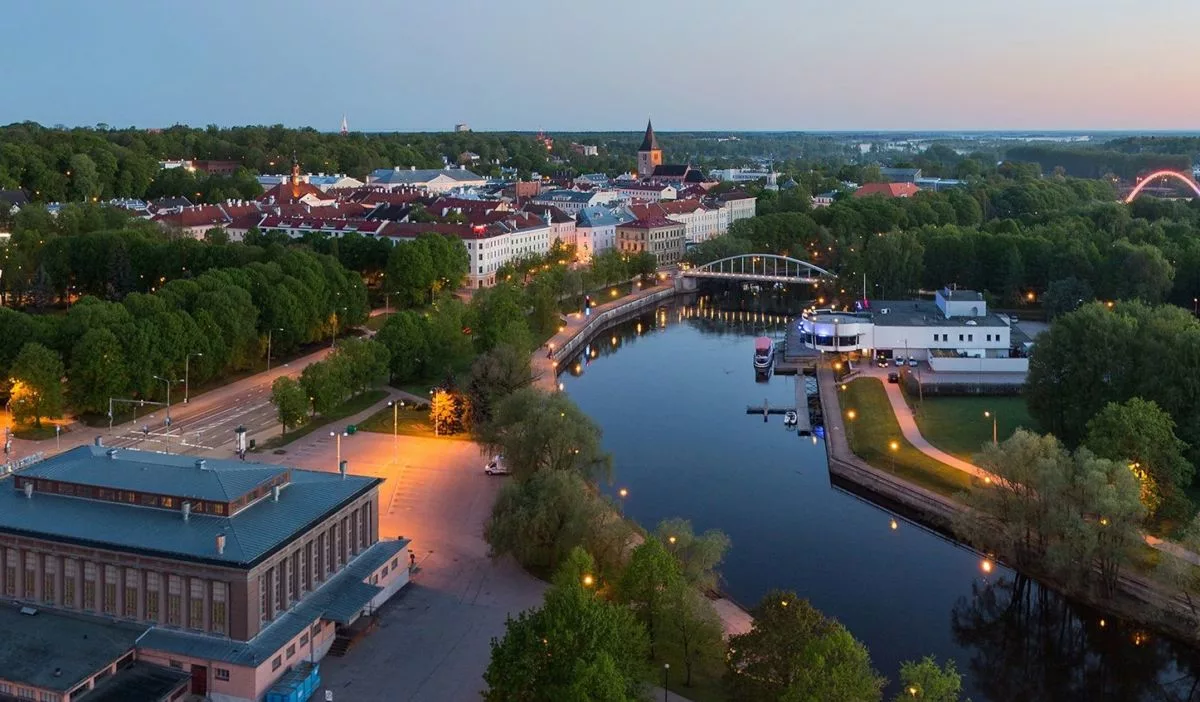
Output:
x=433 y=640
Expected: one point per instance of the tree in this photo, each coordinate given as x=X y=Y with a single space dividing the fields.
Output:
x=405 y=334
x=97 y=371
x=1066 y=295
x=698 y=556
x=291 y=404
x=794 y=653
x=444 y=412
x=324 y=383
x=1141 y=435
x=926 y=681
x=537 y=431
x=410 y=274
x=576 y=646
x=37 y=388
x=693 y=630
x=1139 y=272
x=1180 y=573
x=365 y=362
x=494 y=375
x=651 y=573
x=538 y=521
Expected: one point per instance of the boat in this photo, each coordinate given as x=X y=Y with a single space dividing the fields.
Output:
x=790 y=418
x=764 y=353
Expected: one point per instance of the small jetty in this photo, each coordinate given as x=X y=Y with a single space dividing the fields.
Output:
x=807 y=406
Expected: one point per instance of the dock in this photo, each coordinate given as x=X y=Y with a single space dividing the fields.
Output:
x=807 y=405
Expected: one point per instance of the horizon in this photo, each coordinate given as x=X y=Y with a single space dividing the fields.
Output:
x=1016 y=66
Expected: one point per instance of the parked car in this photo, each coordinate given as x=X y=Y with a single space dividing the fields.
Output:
x=496 y=466
x=893 y=377
x=881 y=362
x=899 y=361
x=912 y=362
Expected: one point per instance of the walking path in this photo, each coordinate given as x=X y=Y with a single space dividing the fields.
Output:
x=908 y=427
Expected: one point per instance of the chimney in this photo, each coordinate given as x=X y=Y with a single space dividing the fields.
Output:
x=99 y=441
x=202 y=464
x=187 y=510
x=342 y=469
x=220 y=544
x=28 y=490
x=275 y=494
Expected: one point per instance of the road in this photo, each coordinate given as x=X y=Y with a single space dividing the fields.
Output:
x=205 y=424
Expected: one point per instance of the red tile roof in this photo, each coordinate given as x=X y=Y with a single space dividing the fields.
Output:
x=287 y=192
x=887 y=190
x=651 y=223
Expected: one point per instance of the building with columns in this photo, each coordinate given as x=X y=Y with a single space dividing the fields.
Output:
x=238 y=572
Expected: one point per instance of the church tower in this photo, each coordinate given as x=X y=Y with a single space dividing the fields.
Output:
x=649 y=155
x=295 y=177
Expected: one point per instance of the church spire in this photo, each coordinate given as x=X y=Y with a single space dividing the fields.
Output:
x=649 y=143
x=295 y=177
x=345 y=125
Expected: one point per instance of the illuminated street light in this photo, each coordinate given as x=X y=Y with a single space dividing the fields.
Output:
x=993 y=417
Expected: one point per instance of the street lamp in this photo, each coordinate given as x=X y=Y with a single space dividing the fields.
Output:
x=894 y=446
x=338 y=434
x=186 y=361
x=333 y=339
x=168 y=382
x=269 y=331
x=623 y=492
x=666 y=674
x=395 y=424
x=988 y=413
x=57 y=442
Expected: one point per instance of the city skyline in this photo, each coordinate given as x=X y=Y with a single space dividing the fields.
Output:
x=694 y=66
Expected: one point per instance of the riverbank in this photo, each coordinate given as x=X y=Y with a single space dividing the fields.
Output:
x=1138 y=598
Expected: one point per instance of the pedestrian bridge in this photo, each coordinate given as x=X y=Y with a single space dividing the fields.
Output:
x=761 y=268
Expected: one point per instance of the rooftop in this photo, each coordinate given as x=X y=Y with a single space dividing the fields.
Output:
x=913 y=313
x=251 y=534
x=415 y=176
x=58 y=651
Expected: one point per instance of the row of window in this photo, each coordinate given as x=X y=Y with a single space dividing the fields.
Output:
x=26 y=693
x=125 y=496
x=970 y=337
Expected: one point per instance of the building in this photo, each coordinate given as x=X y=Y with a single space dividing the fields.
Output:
x=701 y=222
x=937 y=185
x=585 y=150
x=596 y=230
x=665 y=238
x=743 y=175
x=462 y=127
x=738 y=205
x=323 y=182
x=237 y=572
x=649 y=154
x=887 y=190
x=900 y=175
x=562 y=225
x=824 y=199
x=13 y=200
x=56 y=656
x=649 y=192
x=572 y=201
x=592 y=180
x=212 y=167
x=490 y=246
x=954 y=333
x=435 y=180
x=296 y=189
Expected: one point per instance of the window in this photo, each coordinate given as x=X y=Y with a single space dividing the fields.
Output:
x=24 y=693
x=219 y=612
x=168 y=503
x=49 y=573
x=176 y=664
x=276 y=663
x=48 y=697
x=196 y=604
x=221 y=673
x=304 y=639
x=174 y=600
x=70 y=570
x=291 y=651
x=960 y=337
x=970 y=337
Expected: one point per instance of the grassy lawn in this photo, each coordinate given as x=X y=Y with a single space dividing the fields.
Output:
x=873 y=430
x=375 y=323
x=32 y=433
x=409 y=421
x=958 y=426
x=354 y=405
x=707 y=683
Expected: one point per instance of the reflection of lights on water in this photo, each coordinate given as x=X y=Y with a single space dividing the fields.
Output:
x=614 y=341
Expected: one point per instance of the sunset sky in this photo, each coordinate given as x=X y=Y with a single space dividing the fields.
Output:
x=529 y=64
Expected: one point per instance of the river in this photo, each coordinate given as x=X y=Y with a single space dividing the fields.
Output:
x=670 y=390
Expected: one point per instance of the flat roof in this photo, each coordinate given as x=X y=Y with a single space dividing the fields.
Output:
x=251 y=534
x=57 y=651
x=159 y=473
x=924 y=313
x=140 y=681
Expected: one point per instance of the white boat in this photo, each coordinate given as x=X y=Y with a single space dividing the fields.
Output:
x=790 y=418
x=764 y=353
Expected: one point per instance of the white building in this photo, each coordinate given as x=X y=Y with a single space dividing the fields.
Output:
x=649 y=192
x=435 y=180
x=596 y=230
x=325 y=182
x=954 y=333
x=572 y=201
x=743 y=175
x=737 y=205
x=703 y=223
x=490 y=247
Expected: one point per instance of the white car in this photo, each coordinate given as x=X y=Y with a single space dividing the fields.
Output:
x=496 y=466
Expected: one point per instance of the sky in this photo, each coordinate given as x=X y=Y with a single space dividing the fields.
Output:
x=579 y=65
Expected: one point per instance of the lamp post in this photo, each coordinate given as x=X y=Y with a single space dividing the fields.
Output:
x=333 y=339
x=666 y=675
x=186 y=376
x=623 y=492
x=168 y=382
x=894 y=446
x=338 y=434
x=269 y=331
x=57 y=442
x=395 y=424
x=989 y=413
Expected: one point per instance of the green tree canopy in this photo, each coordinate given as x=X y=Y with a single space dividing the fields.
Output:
x=97 y=371
x=538 y=431
x=291 y=403
x=37 y=389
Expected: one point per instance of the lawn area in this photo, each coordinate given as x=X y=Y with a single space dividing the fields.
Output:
x=958 y=426
x=409 y=421
x=354 y=405
x=32 y=433
x=707 y=682
x=873 y=430
x=376 y=322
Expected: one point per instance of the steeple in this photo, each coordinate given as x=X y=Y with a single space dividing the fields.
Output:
x=345 y=125
x=295 y=176
x=649 y=143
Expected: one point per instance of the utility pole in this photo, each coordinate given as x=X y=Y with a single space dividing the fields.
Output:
x=185 y=373
x=269 y=332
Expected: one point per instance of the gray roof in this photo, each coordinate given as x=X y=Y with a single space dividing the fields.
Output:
x=597 y=217
x=77 y=646
x=421 y=175
x=251 y=534
x=339 y=600
x=162 y=474
x=960 y=295
x=140 y=681
x=909 y=313
x=552 y=196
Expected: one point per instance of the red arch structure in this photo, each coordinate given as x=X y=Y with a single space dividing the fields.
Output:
x=1161 y=174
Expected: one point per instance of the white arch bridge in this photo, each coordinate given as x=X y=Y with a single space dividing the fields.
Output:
x=761 y=268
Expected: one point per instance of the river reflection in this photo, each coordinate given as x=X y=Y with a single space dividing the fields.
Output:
x=670 y=389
